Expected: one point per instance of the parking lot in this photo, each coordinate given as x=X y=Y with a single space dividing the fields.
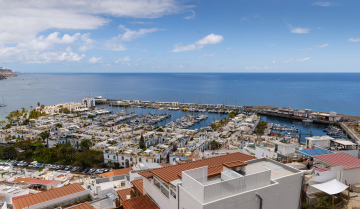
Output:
x=69 y=168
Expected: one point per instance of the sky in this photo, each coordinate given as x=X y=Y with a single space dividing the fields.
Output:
x=130 y=36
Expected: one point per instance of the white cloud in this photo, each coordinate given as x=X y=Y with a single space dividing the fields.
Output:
x=231 y=47
x=87 y=43
x=300 y=30
x=114 y=45
x=322 y=4
x=95 y=60
x=51 y=57
x=42 y=43
x=322 y=46
x=192 y=16
x=296 y=60
x=211 y=39
x=244 y=18
x=190 y=47
x=23 y=20
x=354 y=39
x=207 y=40
x=206 y=55
x=124 y=60
x=132 y=34
x=43 y=49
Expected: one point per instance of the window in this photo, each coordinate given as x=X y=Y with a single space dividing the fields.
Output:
x=114 y=157
x=122 y=183
x=122 y=163
x=157 y=183
x=139 y=159
x=108 y=156
x=131 y=159
x=173 y=194
x=162 y=186
x=122 y=157
x=164 y=191
x=146 y=160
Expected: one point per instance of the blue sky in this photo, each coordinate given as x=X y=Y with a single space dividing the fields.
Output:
x=180 y=36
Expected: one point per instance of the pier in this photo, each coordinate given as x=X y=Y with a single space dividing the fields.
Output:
x=351 y=133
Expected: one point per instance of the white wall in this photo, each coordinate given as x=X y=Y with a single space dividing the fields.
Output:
x=351 y=176
x=354 y=153
x=319 y=143
x=158 y=197
x=284 y=194
x=187 y=201
x=261 y=152
x=289 y=191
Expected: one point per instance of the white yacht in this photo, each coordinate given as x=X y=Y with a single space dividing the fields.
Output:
x=309 y=120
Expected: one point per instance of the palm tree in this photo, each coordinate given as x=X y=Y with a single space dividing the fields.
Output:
x=71 y=151
x=38 y=104
x=31 y=106
x=45 y=135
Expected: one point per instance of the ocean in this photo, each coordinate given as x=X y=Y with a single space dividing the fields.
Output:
x=337 y=92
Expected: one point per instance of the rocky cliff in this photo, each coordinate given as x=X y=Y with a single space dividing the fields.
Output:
x=6 y=72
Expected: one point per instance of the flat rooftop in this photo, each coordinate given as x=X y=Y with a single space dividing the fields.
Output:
x=278 y=170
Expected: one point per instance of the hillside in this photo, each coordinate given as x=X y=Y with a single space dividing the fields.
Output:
x=6 y=72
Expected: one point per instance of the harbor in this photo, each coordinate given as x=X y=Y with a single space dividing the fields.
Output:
x=318 y=121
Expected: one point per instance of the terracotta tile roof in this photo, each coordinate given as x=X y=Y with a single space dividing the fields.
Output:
x=34 y=199
x=25 y=180
x=138 y=184
x=165 y=164
x=123 y=192
x=1 y=197
x=143 y=202
x=340 y=158
x=82 y=206
x=171 y=173
x=234 y=164
x=116 y=172
x=43 y=182
x=17 y=197
x=148 y=174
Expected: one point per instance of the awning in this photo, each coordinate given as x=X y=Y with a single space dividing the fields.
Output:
x=331 y=187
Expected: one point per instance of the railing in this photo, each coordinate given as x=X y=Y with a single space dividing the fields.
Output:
x=210 y=192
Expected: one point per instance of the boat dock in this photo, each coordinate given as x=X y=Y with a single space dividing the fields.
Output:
x=350 y=131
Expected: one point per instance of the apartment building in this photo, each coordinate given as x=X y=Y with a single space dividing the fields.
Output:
x=225 y=181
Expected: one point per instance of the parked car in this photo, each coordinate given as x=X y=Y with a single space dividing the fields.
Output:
x=86 y=170
x=91 y=171
x=74 y=169
x=67 y=168
x=81 y=169
x=39 y=165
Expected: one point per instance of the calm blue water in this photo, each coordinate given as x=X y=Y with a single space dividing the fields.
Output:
x=324 y=92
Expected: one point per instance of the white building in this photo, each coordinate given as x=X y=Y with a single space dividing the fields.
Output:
x=318 y=141
x=226 y=181
x=89 y=102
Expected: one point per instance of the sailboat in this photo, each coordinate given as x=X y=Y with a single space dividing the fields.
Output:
x=3 y=104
